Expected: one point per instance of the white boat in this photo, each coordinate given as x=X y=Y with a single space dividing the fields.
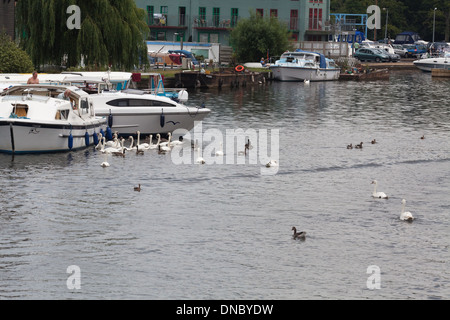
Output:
x=429 y=64
x=37 y=119
x=304 y=65
x=129 y=111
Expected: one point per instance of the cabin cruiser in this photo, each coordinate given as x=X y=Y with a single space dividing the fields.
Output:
x=434 y=63
x=130 y=111
x=47 y=118
x=304 y=65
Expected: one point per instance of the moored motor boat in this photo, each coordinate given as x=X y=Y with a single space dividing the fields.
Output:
x=304 y=65
x=47 y=118
x=129 y=111
x=429 y=64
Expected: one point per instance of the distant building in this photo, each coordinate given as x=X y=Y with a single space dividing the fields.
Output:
x=7 y=10
x=211 y=21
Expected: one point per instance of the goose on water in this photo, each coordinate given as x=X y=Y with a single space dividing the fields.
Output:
x=375 y=194
x=359 y=146
x=298 y=235
x=138 y=188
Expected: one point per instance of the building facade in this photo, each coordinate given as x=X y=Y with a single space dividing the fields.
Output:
x=212 y=20
x=7 y=8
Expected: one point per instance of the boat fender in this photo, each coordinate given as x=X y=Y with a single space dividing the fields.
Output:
x=95 y=136
x=162 y=119
x=109 y=133
x=102 y=132
x=86 y=139
x=110 y=119
x=239 y=68
x=70 y=141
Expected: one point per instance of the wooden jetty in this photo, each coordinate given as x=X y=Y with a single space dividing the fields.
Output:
x=440 y=73
x=224 y=78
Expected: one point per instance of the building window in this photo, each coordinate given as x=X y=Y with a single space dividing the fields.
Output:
x=216 y=17
x=293 y=22
x=182 y=16
x=260 y=12
x=273 y=13
x=164 y=11
x=150 y=11
x=202 y=16
x=157 y=35
x=234 y=16
x=315 y=19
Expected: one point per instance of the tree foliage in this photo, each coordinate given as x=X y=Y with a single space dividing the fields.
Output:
x=12 y=58
x=404 y=15
x=112 y=33
x=255 y=36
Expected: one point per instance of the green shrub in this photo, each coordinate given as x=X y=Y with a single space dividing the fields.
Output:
x=12 y=58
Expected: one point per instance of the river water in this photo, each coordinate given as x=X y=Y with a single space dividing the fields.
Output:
x=70 y=229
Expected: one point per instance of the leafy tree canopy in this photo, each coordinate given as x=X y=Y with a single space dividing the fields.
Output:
x=254 y=36
x=112 y=32
x=12 y=58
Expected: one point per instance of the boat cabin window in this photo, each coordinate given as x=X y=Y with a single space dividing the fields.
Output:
x=62 y=114
x=138 y=103
x=84 y=106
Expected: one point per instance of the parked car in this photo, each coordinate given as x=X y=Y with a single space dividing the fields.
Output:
x=371 y=54
x=415 y=50
x=400 y=50
x=389 y=50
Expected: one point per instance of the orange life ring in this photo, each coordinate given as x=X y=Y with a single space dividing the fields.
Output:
x=239 y=68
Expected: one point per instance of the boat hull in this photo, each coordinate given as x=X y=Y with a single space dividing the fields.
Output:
x=284 y=73
x=127 y=122
x=431 y=63
x=21 y=136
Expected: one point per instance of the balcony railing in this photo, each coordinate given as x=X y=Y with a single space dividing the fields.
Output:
x=214 y=22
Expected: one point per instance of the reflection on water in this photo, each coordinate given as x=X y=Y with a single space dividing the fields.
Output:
x=224 y=231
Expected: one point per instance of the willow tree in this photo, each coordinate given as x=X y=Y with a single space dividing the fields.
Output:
x=253 y=37
x=111 y=33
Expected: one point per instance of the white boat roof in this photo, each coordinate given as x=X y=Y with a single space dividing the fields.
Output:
x=21 y=89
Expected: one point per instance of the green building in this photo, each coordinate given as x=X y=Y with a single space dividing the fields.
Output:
x=212 y=20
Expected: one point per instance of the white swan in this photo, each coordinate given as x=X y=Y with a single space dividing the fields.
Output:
x=220 y=151
x=155 y=146
x=199 y=159
x=143 y=145
x=167 y=142
x=114 y=143
x=375 y=194
x=105 y=163
x=131 y=147
x=177 y=142
x=272 y=163
x=165 y=146
x=406 y=216
x=306 y=81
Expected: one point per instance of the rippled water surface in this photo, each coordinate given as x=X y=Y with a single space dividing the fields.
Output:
x=223 y=231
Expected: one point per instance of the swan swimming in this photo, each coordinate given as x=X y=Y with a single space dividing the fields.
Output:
x=105 y=163
x=406 y=216
x=220 y=151
x=199 y=159
x=379 y=195
x=272 y=163
x=306 y=81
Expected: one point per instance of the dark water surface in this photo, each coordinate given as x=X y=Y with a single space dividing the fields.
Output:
x=223 y=231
